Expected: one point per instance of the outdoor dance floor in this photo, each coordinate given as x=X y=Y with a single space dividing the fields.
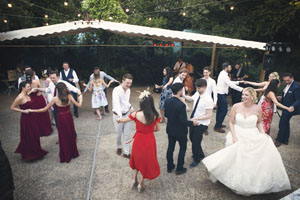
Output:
x=112 y=176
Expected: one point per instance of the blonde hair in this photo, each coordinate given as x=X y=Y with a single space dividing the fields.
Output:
x=97 y=80
x=252 y=93
x=275 y=75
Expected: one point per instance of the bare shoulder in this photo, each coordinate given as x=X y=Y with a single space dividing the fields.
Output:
x=236 y=106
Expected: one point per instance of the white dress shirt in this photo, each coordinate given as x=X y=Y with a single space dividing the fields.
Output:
x=120 y=100
x=224 y=83
x=212 y=89
x=286 y=89
x=177 y=80
x=179 y=65
x=205 y=103
x=51 y=88
x=75 y=77
x=23 y=78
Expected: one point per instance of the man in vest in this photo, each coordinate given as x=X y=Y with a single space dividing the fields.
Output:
x=71 y=77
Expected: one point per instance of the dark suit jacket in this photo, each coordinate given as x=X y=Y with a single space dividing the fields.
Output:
x=292 y=97
x=177 y=124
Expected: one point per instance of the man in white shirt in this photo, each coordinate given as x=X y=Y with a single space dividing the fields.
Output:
x=223 y=85
x=103 y=75
x=121 y=109
x=202 y=112
x=211 y=89
x=23 y=78
x=179 y=64
x=70 y=76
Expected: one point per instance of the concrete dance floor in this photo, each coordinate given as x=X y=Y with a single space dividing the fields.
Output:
x=105 y=175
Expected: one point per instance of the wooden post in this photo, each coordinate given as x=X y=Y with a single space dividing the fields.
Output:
x=262 y=71
x=214 y=60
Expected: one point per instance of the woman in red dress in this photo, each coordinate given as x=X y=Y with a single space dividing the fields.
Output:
x=268 y=104
x=65 y=124
x=29 y=146
x=38 y=101
x=143 y=156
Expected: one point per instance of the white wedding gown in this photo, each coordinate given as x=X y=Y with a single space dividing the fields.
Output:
x=250 y=166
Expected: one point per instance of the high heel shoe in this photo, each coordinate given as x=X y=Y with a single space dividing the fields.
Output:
x=140 y=188
x=134 y=184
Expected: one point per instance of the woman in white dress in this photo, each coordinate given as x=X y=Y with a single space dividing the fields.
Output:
x=250 y=163
x=98 y=97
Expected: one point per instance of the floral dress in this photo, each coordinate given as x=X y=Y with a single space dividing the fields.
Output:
x=165 y=94
x=267 y=114
x=98 y=98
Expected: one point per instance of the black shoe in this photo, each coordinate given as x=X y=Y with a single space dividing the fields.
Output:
x=205 y=132
x=194 y=164
x=182 y=171
x=76 y=115
x=106 y=110
x=169 y=170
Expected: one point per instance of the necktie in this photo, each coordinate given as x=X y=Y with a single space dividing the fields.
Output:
x=195 y=108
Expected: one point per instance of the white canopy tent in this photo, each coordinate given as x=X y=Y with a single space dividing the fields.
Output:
x=133 y=30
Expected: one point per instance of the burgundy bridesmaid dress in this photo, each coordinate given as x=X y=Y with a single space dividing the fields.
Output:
x=66 y=134
x=42 y=118
x=29 y=146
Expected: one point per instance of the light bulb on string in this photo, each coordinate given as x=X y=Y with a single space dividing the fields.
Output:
x=110 y=18
x=127 y=10
x=9 y=5
x=5 y=21
x=231 y=7
x=78 y=15
x=46 y=23
x=46 y=16
x=184 y=14
x=150 y=18
x=66 y=3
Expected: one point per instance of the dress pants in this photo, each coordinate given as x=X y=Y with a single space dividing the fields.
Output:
x=75 y=107
x=196 y=135
x=221 y=110
x=284 y=126
x=106 y=107
x=123 y=128
x=171 y=146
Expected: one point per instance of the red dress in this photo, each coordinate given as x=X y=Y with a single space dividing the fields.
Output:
x=66 y=134
x=42 y=118
x=143 y=156
x=29 y=146
x=267 y=114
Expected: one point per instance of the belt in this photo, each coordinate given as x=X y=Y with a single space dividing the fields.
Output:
x=123 y=114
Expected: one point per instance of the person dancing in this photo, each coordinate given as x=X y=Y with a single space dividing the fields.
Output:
x=65 y=124
x=38 y=101
x=98 y=98
x=263 y=85
x=143 y=156
x=268 y=104
x=166 y=90
x=30 y=145
x=250 y=164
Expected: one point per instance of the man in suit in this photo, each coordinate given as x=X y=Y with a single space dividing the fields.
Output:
x=238 y=74
x=290 y=98
x=177 y=128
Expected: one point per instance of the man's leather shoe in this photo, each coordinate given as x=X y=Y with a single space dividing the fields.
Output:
x=223 y=126
x=169 y=170
x=194 y=164
x=76 y=115
x=119 y=151
x=277 y=144
x=205 y=132
x=182 y=171
x=220 y=130
x=286 y=143
x=126 y=156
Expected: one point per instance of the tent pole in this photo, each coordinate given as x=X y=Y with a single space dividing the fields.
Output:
x=214 y=60
x=262 y=71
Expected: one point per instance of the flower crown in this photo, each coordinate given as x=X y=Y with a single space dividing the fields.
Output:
x=144 y=94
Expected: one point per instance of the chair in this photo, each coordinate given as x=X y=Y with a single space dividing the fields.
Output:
x=12 y=81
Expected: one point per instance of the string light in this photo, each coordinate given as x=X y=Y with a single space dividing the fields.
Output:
x=110 y=18
x=79 y=15
x=150 y=18
x=5 y=21
x=184 y=13
x=9 y=5
x=231 y=7
x=46 y=16
x=127 y=10
x=66 y=3
x=47 y=24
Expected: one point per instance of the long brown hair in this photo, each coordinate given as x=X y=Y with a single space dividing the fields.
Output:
x=63 y=93
x=148 y=108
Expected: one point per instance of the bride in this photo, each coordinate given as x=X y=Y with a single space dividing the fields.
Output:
x=250 y=163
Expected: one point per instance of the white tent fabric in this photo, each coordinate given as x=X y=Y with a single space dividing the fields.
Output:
x=129 y=30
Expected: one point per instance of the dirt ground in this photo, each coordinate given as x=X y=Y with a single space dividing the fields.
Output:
x=112 y=176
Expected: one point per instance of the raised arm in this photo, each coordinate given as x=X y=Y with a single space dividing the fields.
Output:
x=51 y=103
x=77 y=104
x=233 y=84
x=262 y=84
x=232 y=121
x=107 y=85
x=109 y=77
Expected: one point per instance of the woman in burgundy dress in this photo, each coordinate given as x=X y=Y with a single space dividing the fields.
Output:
x=268 y=104
x=29 y=146
x=143 y=156
x=38 y=101
x=65 y=123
